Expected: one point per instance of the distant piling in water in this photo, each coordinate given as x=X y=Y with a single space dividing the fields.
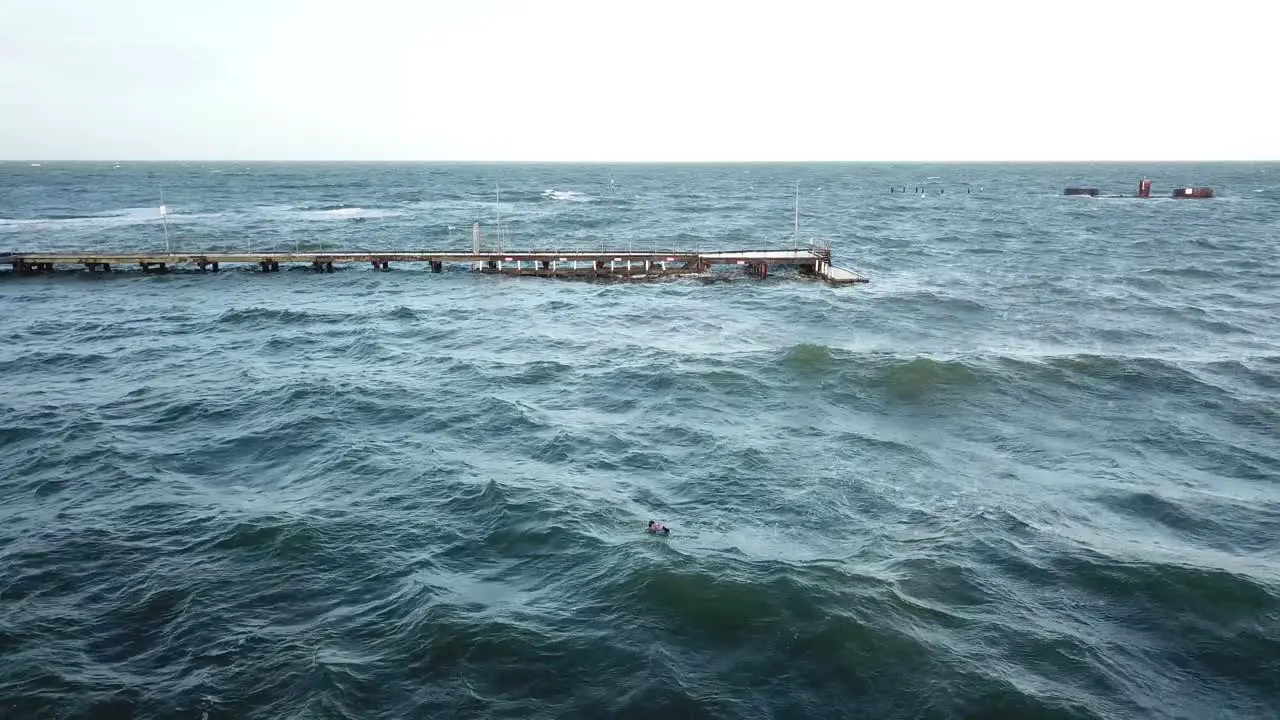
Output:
x=925 y=189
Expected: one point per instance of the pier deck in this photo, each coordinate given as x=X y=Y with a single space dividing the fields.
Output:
x=545 y=263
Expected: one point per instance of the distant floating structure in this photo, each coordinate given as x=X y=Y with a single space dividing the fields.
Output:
x=1144 y=191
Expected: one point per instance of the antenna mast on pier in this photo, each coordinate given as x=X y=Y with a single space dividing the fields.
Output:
x=164 y=218
x=795 y=237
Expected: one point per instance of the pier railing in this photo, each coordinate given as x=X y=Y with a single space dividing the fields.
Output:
x=606 y=262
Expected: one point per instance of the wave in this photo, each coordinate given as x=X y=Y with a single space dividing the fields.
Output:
x=346 y=213
x=922 y=376
x=1136 y=373
x=849 y=374
x=1243 y=371
x=836 y=636
x=61 y=361
x=53 y=217
x=936 y=299
x=1163 y=510
x=566 y=196
x=900 y=376
x=259 y=315
x=401 y=312
x=1222 y=599
x=808 y=357
x=122 y=217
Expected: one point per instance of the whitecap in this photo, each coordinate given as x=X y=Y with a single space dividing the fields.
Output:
x=567 y=195
x=121 y=217
x=337 y=214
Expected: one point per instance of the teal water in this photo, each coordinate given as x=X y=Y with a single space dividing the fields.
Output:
x=1030 y=471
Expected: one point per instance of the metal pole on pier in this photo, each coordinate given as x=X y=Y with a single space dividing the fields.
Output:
x=497 y=194
x=164 y=218
x=795 y=234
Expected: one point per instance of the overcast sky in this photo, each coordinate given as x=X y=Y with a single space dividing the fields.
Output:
x=638 y=80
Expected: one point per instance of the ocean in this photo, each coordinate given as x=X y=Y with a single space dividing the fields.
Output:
x=1031 y=470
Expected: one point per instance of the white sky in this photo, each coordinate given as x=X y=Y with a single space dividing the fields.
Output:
x=639 y=80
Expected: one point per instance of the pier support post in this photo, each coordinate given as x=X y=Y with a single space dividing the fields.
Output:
x=215 y=267
x=437 y=266
x=264 y=266
x=106 y=267
x=164 y=268
x=317 y=266
x=201 y=264
x=275 y=266
x=146 y=267
x=328 y=266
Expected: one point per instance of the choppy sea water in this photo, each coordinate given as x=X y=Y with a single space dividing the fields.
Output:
x=1030 y=471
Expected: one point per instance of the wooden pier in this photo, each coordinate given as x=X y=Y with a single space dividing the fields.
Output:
x=810 y=261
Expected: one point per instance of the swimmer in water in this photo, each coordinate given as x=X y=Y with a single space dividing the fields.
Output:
x=658 y=529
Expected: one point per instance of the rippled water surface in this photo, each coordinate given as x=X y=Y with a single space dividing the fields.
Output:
x=1030 y=471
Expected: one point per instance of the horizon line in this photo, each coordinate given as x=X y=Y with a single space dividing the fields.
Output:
x=642 y=162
